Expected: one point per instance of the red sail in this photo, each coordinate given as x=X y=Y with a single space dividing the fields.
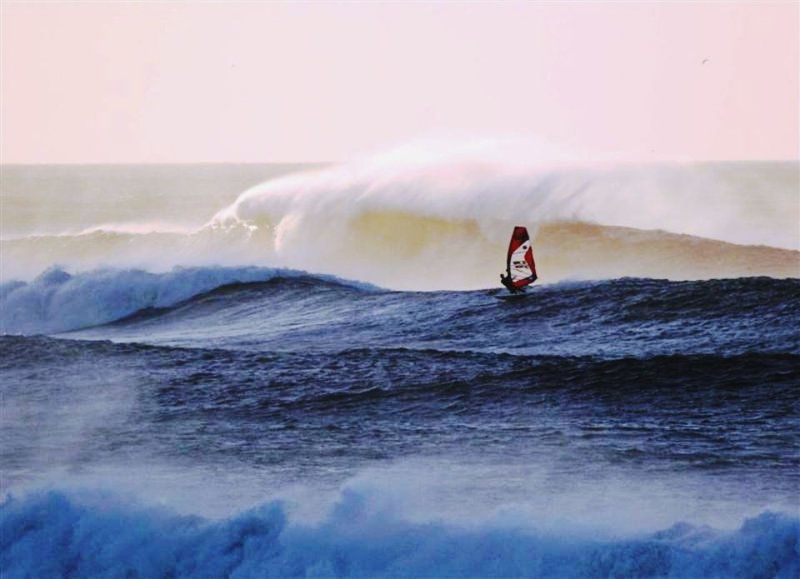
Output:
x=519 y=263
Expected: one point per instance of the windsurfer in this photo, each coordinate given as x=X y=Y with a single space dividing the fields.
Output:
x=506 y=281
x=520 y=266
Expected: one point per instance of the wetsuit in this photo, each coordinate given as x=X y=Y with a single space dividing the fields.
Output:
x=506 y=281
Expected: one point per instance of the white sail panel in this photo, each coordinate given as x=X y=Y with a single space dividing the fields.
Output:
x=518 y=265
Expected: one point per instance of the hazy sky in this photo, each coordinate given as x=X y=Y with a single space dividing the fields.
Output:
x=189 y=82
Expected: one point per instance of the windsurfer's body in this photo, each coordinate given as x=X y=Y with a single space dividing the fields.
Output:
x=506 y=281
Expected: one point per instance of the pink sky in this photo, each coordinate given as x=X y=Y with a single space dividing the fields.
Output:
x=252 y=82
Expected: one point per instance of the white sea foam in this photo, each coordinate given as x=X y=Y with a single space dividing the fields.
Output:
x=94 y=533
x=742 y=203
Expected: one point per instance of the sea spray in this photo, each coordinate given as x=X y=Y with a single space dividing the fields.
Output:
x=440 y=220
x=58 y=534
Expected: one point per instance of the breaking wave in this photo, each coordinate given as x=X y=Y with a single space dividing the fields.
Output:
x=741 y=203
x=57 y=301
x=58 y=534
x=422 y=223
x=441 y=221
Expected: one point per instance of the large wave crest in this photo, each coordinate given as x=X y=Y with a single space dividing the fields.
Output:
x=433 y=219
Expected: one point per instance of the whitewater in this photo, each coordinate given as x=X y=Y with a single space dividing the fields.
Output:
x=304 y=370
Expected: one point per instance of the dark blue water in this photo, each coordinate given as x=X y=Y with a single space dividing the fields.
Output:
x=622 y=428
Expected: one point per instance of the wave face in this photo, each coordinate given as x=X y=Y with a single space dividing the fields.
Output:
x=56 y=301
x=356 y=541
x=564 y=318
x=441 y=220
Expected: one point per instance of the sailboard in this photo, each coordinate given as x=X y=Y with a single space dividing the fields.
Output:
x=520 y=265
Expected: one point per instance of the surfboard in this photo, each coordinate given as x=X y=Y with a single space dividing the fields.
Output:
x=506 y=297
x=520 y=265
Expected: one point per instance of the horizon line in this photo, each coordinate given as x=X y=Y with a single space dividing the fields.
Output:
x=219 y=163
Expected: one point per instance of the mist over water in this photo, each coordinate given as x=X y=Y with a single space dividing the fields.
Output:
x=42 y=200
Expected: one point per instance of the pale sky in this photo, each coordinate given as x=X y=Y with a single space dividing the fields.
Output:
x=257 y=82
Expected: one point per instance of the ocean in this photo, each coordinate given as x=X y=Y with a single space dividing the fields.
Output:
x=306 y=370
